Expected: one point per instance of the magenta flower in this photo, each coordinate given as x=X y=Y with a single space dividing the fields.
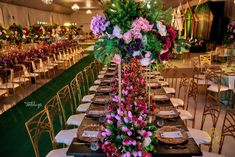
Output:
x=135 y=153
x=108 y=132
x=129 y=133
x=124 y=129
x=130 y=115
x=146 y=134
x=167 y=44
x=117 y=117
x=148 y=54
x=120 y=112
x=109 y=121
x=115 y=98
x=126 y=120
x=124 y=92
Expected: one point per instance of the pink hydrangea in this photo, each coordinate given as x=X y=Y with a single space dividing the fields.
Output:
x=142 y=24
x=127 y=37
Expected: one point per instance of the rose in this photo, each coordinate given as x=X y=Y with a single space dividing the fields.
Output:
x=161 y=28
x=167 y=44
x=117 y=59
x=127 y=37
x=117 y=32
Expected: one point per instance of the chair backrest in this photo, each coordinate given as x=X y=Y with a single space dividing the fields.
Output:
x=205 y=60
x=81 y=82
x=55 y=113
x=33 y=65
x=76 y=92
x=184 y=83
x=36 y=127
x=228 y=128
x=66 y=102
x=212 y=109
x=195 y=61
x=89 y=76
x=214 y=75
x=192 y=93
x=41 y=65
x=25 y=70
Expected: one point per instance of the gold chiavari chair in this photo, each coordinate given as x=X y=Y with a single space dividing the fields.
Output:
x=77 y=97
x=228 y=128
x=66 y=102
x=38 y=125
x=214 y=75
x=184 y=83
x=90 y=78
x=55 y=115
x=205 y=60
x=202 y=137
x=172 y=81
x=86 y=98
x=212 y=109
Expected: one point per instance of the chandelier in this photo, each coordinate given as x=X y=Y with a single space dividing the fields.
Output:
x=75 y=7
x=47 y=2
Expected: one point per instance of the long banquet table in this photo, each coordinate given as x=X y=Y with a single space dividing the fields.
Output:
x=189 y=148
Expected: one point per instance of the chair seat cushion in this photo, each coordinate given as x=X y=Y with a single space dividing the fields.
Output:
x=87 y=98
x=75 y=119
x=102 y=72
x=215 y=88
x=100 y=76
x=30 y=75
x=203 y=82
x=9 y=86
x=66 y=136
x=163 y=83
x=58 y=153
x=20 y=79
x=97 y=82
x=200 y=136
x=210 y=154
x=185 y=115
x=177 y=102
x=93 y=88
x=3 y=92
x=83 y=107
x=169 y=90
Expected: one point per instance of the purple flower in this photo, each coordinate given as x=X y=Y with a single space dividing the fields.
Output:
x=126 y=120
x=129 y=133
x=117 y=32
x=118 y=117
x=98 y=25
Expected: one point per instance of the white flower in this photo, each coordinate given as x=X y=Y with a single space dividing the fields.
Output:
x=163 y=51
x=161 y=28
x=136 y=53
x=145 y=61
x=147 y=141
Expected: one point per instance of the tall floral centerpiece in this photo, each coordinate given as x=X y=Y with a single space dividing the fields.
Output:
x=132 y=34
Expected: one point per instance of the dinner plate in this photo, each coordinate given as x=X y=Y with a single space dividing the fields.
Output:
x=101 y=99
x=104 y=89
x=89 y=133
x=167 y=113
x=96 y=111
x=171 y=135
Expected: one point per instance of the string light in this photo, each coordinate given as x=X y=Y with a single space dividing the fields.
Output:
x=47 y=2
x=75 y=7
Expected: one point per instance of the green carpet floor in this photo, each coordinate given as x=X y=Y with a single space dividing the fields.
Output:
x=14 y=139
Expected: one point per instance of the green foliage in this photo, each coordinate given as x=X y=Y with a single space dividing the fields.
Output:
x=105 y=49
x=122 y=13
x=153 y=44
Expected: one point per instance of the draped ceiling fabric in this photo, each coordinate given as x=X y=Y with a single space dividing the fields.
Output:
x=25 y=16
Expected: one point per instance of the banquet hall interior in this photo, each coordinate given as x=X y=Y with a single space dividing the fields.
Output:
x=117 y=78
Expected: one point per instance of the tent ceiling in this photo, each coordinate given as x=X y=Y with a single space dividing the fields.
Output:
x=64 y=6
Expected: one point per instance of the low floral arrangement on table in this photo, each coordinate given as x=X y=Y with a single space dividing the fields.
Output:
x=230 y=34
x=129 y=130
x=134 y=29
x=20 y=56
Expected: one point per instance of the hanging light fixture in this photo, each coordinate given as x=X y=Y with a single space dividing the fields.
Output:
x=75 y=7
x=88 y=12
x=47 y=2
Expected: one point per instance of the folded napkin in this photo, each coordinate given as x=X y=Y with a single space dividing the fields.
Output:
x=171 y=112
x=100 y=76
x=102 y=72
x=160 y=97
x=104 y=88
x=96 y=112
x=87 y=133
x=97 y=82
x=100 y=99
x=173 y=134
x=105 y=68
x=112 y=68
x=163 y=83
x=93 y=88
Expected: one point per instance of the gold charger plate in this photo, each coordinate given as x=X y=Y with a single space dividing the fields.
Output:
x=104 y=89
x=101 y=99
x=93 y=111
x=178 y=140
x=94 y=127
x=170 y=116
